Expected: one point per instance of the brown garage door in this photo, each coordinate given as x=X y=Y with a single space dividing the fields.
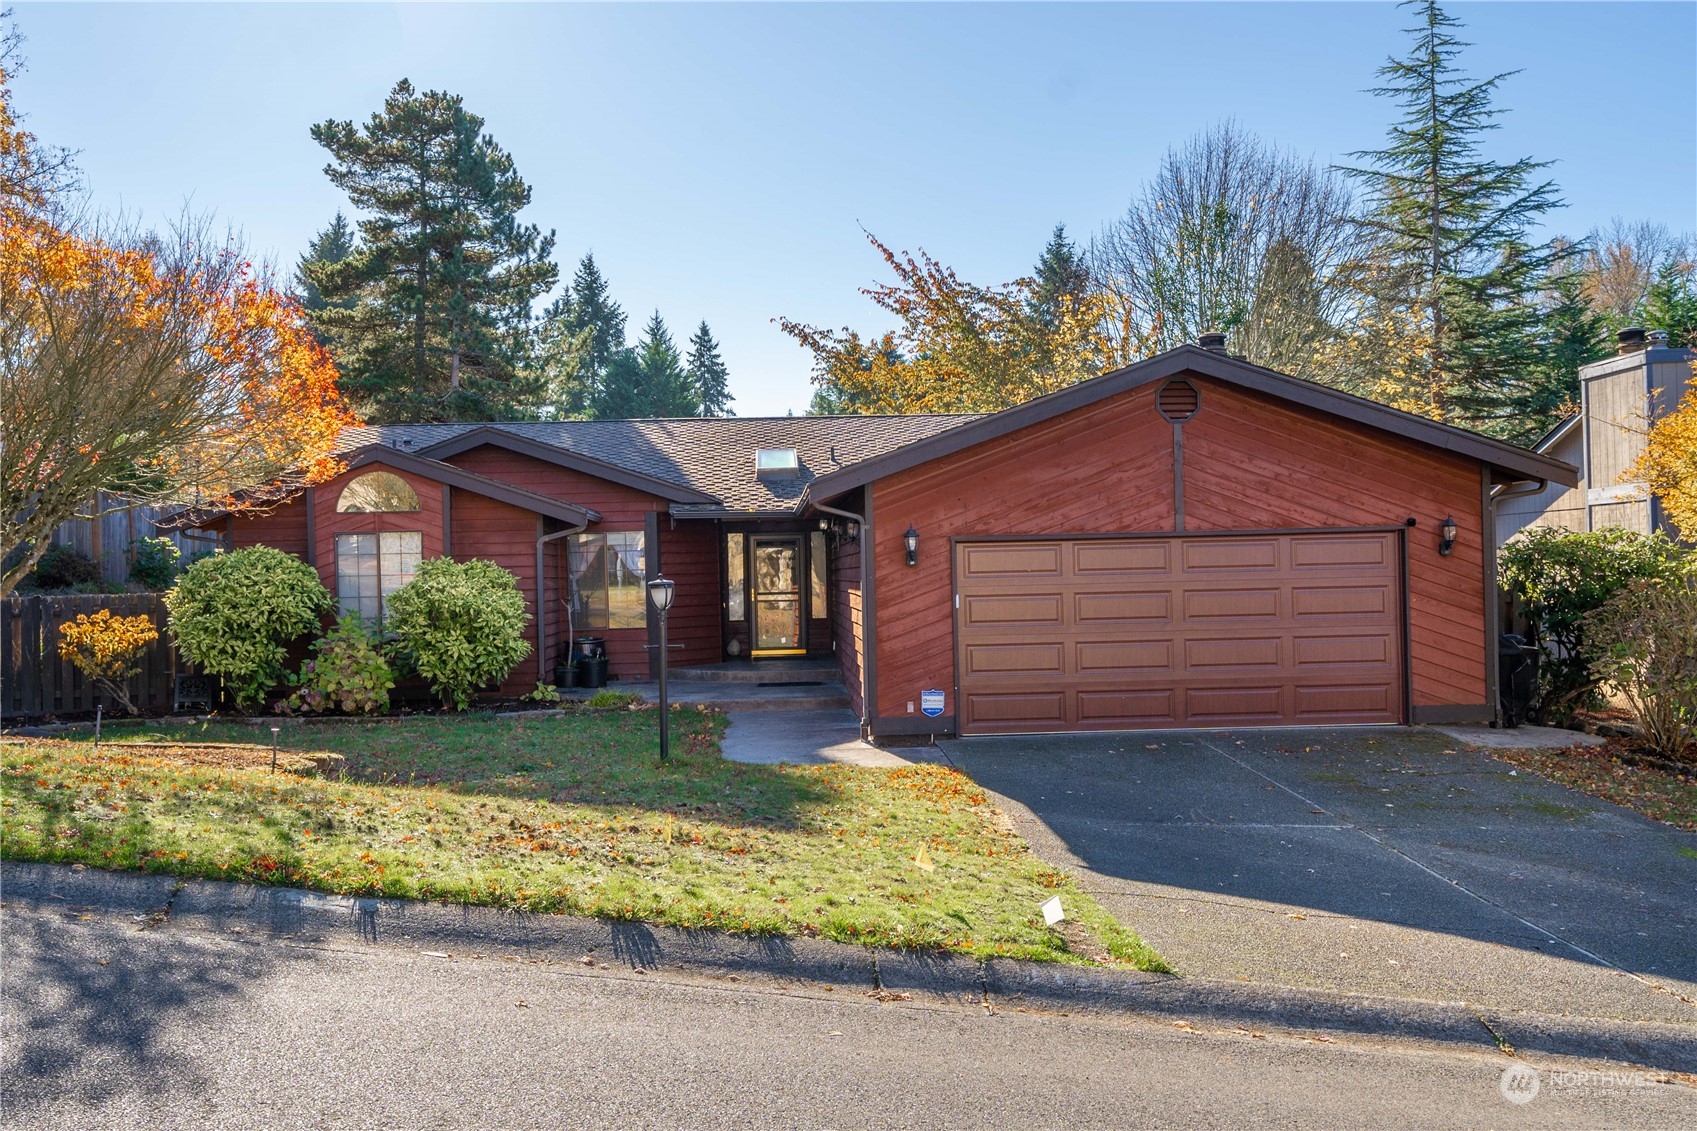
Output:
x=1112 y=633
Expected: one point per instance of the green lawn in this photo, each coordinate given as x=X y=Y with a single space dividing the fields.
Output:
x=569 y=815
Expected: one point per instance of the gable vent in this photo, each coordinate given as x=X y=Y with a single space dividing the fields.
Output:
x=1178 y=400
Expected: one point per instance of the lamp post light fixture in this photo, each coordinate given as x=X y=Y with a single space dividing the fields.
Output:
x=1446 y=536
x=660 y=592
x=911 y=541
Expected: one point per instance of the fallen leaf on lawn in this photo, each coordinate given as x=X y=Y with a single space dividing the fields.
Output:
x=1294 y=915
x=888 y=995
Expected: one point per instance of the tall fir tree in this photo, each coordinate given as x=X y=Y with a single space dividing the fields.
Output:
x=1453 y=225
x=647 y=380
x=1062 y=279
x=329 y=247
x=708 y=377
x=430 y=317
x=592 y=309
x=1670 y=303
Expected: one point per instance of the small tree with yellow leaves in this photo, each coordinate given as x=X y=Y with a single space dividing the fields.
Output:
x=1668 y=465
x=107 y=650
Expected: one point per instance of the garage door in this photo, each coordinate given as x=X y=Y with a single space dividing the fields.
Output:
x=1111 y=633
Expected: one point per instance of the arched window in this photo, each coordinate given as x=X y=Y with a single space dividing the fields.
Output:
x=377 y=492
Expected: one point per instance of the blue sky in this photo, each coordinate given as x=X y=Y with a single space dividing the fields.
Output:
x=720 y=159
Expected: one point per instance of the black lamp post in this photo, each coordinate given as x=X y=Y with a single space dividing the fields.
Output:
x=660 y=592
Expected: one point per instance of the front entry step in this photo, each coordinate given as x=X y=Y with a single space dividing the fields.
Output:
x=732 y=696
x=785 y=670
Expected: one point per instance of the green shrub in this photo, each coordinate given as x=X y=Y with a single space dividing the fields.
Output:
x=606 y=700
x=460 y=625
x=347 y=672
x=1646 y=647
x=155 y=564
x=63 y=567
x=544 y=693
x=235 y=615
x=1561 y=577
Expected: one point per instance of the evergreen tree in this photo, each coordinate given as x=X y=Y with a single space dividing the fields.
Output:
x=329 y=247
x=1670 y=303
x=1454 y=224
x=646 y=381
x=561 y=360
x=430 y=317
x=1541 y=345
x=1062 y=279
x=592 y=309
x=708 y=377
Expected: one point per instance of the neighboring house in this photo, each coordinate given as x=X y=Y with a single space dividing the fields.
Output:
x=1618 y=397
x=1189 y=541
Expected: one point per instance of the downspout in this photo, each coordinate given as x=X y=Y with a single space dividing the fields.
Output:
x=865 y=700
x=542 y=595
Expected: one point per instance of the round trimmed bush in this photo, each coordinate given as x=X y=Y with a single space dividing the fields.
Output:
x=460 y=625
x=236 y=614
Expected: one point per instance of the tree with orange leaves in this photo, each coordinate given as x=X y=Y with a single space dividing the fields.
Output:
x=1668 y=464
x=962 y=347
x=159 y=367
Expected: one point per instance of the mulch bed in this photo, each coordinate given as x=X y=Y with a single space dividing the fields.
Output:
x=232 y=756
x=1621 y=772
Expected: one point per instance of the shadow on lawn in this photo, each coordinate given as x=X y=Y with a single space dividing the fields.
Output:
x=604 y=759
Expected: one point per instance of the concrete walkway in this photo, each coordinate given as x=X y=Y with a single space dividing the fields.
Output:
x=1521 y=738
x=1393 y=862
x=801 y=738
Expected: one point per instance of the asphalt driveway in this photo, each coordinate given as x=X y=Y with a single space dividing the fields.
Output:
x=1381 y=861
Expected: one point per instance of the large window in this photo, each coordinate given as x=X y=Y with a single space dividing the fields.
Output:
x=609 y=580
x=369 y=567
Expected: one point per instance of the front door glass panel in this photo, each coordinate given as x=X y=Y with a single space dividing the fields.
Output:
x=777 y=594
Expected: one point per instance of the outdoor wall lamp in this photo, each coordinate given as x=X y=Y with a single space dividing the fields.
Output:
x=911 y=541
x=1446 y=536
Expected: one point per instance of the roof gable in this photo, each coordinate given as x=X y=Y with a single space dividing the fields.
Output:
x=563 y=457
x=1514 y=462
x=470 y=481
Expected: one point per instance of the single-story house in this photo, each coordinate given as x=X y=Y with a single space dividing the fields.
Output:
x=1618 y=396
x=1189 y=541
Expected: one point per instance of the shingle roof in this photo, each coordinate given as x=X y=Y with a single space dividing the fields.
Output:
x=711 y=456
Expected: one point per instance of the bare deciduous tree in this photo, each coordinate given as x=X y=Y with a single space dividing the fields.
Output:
x=1232 y=234
x=1622 y=263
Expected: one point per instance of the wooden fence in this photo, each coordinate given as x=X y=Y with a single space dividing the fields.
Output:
x=34 y=681
x=110 y=539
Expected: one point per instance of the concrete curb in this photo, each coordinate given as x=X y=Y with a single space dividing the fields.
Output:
x=232 y=909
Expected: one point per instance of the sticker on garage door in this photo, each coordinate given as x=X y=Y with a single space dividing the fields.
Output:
x=931 y=703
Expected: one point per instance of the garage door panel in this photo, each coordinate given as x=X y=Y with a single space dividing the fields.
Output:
x=1197 y=631
x=1225 y=706
x=1121 y=557
x=1233 y=652
x=1335 y=651
x=1319 y=703
x=1015 y=659
x=1092 y=657
x=1013 y=610
x=1007 y=559
x=1373 y=601
x=1211 y=604
x=1128 y=708
x=1105 y=608
x=1331 y=553
x=1016 y=710
x=1203 y=554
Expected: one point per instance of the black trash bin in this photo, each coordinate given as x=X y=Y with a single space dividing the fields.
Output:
x=591 y=661
x=1517 y=676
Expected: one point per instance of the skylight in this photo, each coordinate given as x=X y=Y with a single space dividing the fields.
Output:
x=777 y=461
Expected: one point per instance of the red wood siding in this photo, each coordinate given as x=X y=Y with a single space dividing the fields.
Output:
x=620 y=507
x=327 y=523
x=689 y=555
x=1250 y=462
x=283 y=527
x=845 y=616
x=506 y=535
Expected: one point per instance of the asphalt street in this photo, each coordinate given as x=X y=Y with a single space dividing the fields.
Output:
x=108 y=1022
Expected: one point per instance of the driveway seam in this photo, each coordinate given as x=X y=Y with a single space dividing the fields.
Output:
x=1599 y=959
